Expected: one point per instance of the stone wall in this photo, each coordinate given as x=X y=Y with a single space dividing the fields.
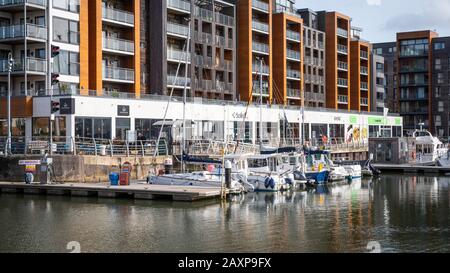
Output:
x=82 y=168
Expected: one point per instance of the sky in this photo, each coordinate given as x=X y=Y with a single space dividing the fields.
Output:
x=382 y=19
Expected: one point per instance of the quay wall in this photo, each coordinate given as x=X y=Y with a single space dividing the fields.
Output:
x=81 y=168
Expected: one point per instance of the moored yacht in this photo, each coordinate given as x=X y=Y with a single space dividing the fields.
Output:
x=429 y=149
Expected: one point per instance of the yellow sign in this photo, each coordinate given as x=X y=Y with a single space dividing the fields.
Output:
x=30 y=168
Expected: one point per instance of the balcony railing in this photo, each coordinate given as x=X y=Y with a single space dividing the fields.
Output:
x=224 y=19
x=293 y=35
x=220 y=41
x=207 y=85
x=342 y=99
x=342 y=49
x=32 y=65
x=291 y=73
x=342 y=65
x=117 y=15
x=117 y=73
x=342 y=32
x=178 y=55
x=364 y=86
x=364 y=70
x=261 y=26
x=260 y=5
x=179 y=4
x=342 y=82
x=364 y=101
x=173 y=80
x=257 y=68
x=292 y=54
x=260 y=47
x=293 y=93
x=311 y=96
x=18 y=31
x=364 y=54
x=118 y=44
x=204 y=14
x=177 y=29
x=203 y=37
x=4 y=3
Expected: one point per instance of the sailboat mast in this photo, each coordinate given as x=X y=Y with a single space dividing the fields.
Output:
x=183 y=136
x=260 y=103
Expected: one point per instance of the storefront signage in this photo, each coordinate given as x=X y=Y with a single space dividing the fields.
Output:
x=353 y=119
x=376 y=121
x=123 y=110
x=29 y=162
x=67 y=106
x=236 y=115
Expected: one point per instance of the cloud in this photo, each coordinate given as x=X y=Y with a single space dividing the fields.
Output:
x=432 y=14
x=374 y=2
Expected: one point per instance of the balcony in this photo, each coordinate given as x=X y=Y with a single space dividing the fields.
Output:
x=118 y=45
x=293 y=93
x=260 y=26
x=179 y=81
x=364 y=55
x=206 y=15
x=293 y=55
x=32 y=65
x=260 y=5
x=364 y=102
x=203 y=37
x=342 y=83
x=414 y=83
x=117 y=74
x=256 y=68
x=178 y=55
x=207 y=85
x=364 y=70
x=364 y=86
x=342 y=49
x=342 y=32
x=293 y=74
x=311 y=96
x=220 y=41
x=179 y=5
x=7 y=3
x=177 y=29
x=118 y=16
x=292 y=35
x=260 y=47
x=342 y=66
x=224 y=19
x=18 y=31
x=321 y=45
x=342 y=99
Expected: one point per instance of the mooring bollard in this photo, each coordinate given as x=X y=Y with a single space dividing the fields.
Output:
x=168 y=166
x=228 y=174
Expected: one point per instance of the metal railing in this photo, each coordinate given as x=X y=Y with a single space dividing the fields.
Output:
x=364 y=85
x=204 y=14
x=203 y=37
x=224 y=19
x=364 y=70
x=260 y=47
x=342 y=32
x=291 y=73
x=178 y=55
x=311 y=96
x=117 y=73
x=342 y=65
x=364 y=101
x=256 y=89
x=177 y=29
x=179 y=4
x=292 y=54
x=293 y=93
x=256 y=68
x=118 y=44
x=220 y=41
x=342 y=49
x=18 y=31
x=260 y=26
x=293 y=35
x=342 y=82
x=117 y=15
x=85 y=146
x=260 y=5
x=364 y=54
x=172 y=80
x=342 y=99
x=32 y=64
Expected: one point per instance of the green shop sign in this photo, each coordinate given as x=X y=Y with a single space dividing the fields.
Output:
x=353 y=119
x=377 y=121
x=398 y=121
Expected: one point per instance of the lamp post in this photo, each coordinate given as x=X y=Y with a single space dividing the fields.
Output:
x=10 y=68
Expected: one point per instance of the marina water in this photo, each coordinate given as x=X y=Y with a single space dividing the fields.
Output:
x=396 y=212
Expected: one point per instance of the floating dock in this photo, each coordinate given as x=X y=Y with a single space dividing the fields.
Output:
x=134 y=191
x=408 y=168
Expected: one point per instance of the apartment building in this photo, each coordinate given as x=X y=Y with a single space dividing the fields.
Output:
x=314 y=60
x=378 y=82
x=389 y=52
x=287 y=55
x=440 y=67
x=193 y=44
x=360 y=69
x=338 y=36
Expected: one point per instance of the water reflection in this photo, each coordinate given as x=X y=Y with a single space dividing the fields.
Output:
x=403 y=213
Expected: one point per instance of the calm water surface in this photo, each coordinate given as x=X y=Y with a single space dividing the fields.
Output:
x=402 y=213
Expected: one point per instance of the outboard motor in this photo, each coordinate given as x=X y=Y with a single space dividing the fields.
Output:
x=298 y=175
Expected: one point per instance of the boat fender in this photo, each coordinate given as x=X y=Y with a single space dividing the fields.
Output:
x=269 y=182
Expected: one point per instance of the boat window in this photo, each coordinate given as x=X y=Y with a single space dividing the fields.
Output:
x=257 y=163
x=293 y=161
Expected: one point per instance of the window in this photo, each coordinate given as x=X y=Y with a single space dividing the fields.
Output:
x=438 y=92
x=122 y=126
x=440 y=78
x=440 y=106
x=379 y=51
x=438 y=46
x=437 y=64
x=84 y=128
x=41 y=127
x=67 y=63
x=39 y=53
x=438 y=120
x=69 y=5
x=380 y=67
x=17 y=127
x=65 y=31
